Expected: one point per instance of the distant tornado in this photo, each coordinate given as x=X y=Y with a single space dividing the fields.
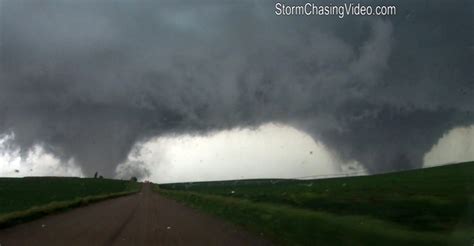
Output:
x=87 y=80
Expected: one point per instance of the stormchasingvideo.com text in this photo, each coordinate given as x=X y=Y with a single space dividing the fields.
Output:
x=341 y=10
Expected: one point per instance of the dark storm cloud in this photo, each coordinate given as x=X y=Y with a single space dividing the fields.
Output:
x=89 y=79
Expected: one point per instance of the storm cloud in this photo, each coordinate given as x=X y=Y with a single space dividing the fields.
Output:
x=88 y=80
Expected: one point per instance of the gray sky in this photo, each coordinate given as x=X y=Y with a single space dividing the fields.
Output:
x=233 y=154
x=88 y=81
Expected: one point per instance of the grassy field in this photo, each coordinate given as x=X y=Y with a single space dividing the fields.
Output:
x=432 y=206
x=23 y=199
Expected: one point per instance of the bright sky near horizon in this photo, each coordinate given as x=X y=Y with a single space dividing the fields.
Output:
x=270 y=151
x=123 y=89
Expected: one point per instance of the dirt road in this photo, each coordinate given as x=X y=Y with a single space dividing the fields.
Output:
x=145 y=218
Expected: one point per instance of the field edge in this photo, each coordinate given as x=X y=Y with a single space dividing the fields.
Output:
x=17 y=217
x=258 y=218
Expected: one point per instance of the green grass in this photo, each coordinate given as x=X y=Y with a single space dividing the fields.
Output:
x=23 y=199
x=431 y=206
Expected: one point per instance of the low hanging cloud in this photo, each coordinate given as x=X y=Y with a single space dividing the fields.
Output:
x=88 y=80
x=455 y=146
x=36 y=163
x=269 y=151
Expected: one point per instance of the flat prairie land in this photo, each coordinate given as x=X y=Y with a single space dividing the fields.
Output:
x=431 y=206
x=23 y=199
